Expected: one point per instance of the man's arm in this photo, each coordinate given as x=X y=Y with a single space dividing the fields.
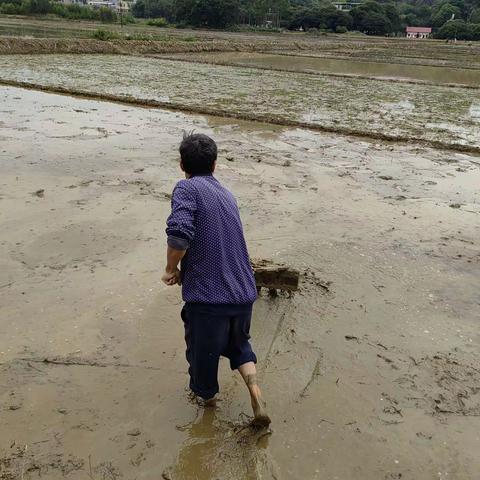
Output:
x=180 y=230
x=172 y=273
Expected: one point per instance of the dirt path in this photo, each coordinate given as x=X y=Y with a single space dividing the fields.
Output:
x=371 y=371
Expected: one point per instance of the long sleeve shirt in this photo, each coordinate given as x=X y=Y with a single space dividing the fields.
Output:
x=205 y=222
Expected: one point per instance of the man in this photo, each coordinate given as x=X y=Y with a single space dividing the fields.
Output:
x=205 y=234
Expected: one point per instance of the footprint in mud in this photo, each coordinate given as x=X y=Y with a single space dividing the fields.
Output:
x=220 y=449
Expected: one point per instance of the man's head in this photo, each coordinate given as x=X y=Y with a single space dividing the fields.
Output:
x=198 y=153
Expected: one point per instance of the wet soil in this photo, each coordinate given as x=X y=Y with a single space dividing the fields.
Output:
x=154 y=45
x=351 y=67
x=371 y=370
x=49 y=35
x=448 y=116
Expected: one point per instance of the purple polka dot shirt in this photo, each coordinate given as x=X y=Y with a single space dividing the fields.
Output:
x=205 y=221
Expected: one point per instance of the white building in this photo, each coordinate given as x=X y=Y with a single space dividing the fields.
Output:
x=418 y=32
x=346 y=5
x=117 y=5
x=73 y=2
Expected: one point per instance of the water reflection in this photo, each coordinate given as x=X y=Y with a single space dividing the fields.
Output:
x=219 y=449
x=440 y=74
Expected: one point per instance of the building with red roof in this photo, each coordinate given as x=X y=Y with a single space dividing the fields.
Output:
x=418 y=32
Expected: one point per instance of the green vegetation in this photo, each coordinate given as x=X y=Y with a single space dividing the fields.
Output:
x=158 y=22
x=388 y=17
x=105 y=35
x=154 y=9
x=391 y=18
x=460 y=30
x=322 y=16
x=44 y=7
x=448 y=18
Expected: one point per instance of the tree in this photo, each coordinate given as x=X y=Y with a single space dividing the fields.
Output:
x=138 y=9
x=376 y=24
x=11 y=8
x=323 y=17
x=461 y=5
x=159 y=8
x=154 y=9
x=208 y=13
x=39 y=6
x=475 y=31
x=262 y=7
x=444 y=14
x=107 y=15
x=305 y=18
x=455 y=29
x=334 y=18
x=257 y=10
x=11 y=2
x=415 y=15
x=370 y=18
x=393 y=16
x=475 y=16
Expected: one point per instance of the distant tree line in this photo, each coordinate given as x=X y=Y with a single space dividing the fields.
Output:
x=213 y=13
x=449 y=18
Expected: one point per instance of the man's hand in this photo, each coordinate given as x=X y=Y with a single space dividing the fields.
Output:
x=171 y=277
x=172 y=273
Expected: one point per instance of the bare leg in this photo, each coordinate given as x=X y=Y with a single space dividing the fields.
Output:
x=249 y=373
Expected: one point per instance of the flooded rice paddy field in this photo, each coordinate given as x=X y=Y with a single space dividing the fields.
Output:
x=43 y=27
x=376 y=356
x=399 y=50
x=448 y=115
x=298 y=63
x=453 y=59
x=376 y=49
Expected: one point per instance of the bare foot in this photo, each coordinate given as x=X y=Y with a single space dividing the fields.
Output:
x=261 y=418
x=211 y=402
x=196 y=399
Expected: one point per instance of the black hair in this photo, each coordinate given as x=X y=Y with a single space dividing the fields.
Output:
x=198 y=153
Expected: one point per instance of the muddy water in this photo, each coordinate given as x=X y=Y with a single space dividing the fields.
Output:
x=371 y=107
x=376 y=356
x=439 y=75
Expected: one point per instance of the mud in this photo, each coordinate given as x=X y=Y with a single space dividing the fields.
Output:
x=434 y=75
x=465 y=55
x=13 y=45
x=250 y=116
x=377 y=354
x=395 y=50
x=439 y=115
x=275 y=277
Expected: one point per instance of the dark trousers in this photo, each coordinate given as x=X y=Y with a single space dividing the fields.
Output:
x=212 y=331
